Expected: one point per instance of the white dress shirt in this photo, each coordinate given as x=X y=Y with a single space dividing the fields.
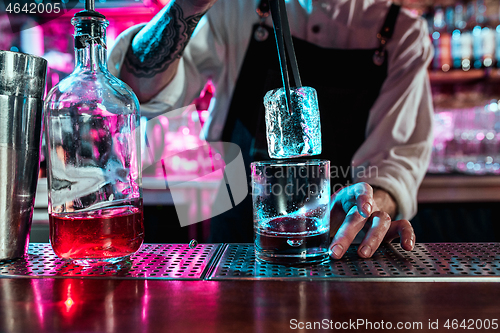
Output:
x=399 y=129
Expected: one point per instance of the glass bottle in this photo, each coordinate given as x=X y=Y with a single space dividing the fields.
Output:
x=93 y=138
x=457 y=35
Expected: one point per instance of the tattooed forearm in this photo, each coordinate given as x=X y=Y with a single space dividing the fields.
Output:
x=157 y=47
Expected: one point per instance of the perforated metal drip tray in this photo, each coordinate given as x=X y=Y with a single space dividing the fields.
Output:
x=152 y=261
x=435 y=262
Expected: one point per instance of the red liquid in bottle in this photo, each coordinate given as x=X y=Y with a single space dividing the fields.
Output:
x=104 y=234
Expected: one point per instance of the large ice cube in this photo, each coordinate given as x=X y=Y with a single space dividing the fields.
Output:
x=296 y=134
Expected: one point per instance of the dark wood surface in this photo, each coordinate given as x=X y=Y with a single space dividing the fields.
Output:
x=107 y=305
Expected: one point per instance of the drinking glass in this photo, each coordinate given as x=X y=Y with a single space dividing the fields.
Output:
x=291 y=210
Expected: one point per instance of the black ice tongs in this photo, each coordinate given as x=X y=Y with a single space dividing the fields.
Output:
x=284 y=40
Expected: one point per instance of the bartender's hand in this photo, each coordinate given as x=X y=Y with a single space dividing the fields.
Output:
x=356 y=207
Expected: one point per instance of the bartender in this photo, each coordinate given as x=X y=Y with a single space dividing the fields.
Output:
x=368 y=61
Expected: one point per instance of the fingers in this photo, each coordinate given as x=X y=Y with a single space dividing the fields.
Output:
x=352 y=224
x=357 y=200
x=381 y=229
x=380 y=224
x=359 y=195
x=404 y=230
x=364 y=199
x=366 y=202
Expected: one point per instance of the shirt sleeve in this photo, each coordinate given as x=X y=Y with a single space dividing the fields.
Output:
x=396 y=152
x=203 y=59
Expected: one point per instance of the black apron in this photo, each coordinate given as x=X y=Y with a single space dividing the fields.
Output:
x=347 y=82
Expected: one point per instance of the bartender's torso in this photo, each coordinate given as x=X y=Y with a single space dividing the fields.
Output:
x=348 y=82
x=336 y=24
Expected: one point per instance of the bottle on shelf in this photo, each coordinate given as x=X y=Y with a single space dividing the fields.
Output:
x=488 y=36
x=441 y=39
x=497 y=45
x=465 y=35
x=496 y=27
x=481 y=36
x=456 y=36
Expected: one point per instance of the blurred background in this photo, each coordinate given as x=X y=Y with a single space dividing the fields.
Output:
x=459 y=198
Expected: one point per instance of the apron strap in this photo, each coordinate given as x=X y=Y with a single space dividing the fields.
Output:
x=390 y=22
x=263 y=9
x=386 y=33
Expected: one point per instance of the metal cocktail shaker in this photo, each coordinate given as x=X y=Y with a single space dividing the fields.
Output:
x=22 y=84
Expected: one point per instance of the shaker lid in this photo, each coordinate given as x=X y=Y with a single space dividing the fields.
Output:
x=22 y=74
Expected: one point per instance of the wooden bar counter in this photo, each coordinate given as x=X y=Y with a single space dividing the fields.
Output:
x=459 y=188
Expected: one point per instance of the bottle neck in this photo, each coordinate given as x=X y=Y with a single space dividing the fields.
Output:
x=92 y=58
x=90 y=43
